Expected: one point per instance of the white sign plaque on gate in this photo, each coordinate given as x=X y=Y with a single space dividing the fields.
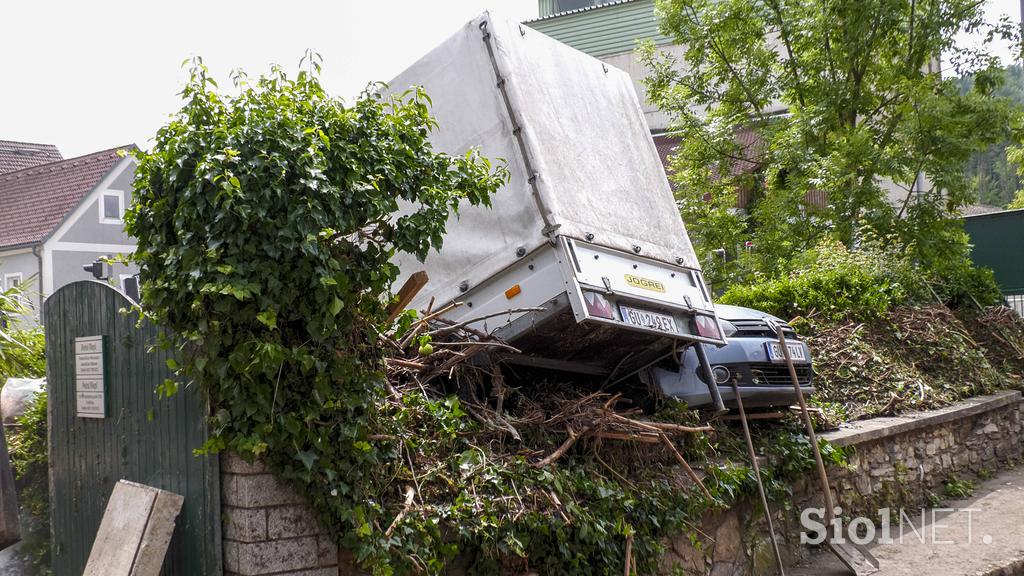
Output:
x=90 y=388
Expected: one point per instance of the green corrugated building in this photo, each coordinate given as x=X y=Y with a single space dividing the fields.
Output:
x=599 y=28
x=608 y=31
x=997 y=239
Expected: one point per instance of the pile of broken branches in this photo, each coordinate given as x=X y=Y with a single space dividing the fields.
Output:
x=1000 y=331
x=914 y=358
x=593 y=416
x=579 y=414
x=451 y=344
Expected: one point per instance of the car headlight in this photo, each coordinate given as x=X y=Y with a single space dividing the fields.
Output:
x=728 y=328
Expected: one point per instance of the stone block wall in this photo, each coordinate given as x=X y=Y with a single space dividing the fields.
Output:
x=893 y=462
x=899 y=461
x=269 y=529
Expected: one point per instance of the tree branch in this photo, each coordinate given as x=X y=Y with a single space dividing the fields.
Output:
x=774 y=5
x=717 y=49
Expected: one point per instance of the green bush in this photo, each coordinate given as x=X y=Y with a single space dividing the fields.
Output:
x=21 y=350
x=28 y=452
x=26 y=359
x=954 y=488
x=266 y=224
x=961 y=285
x=832 y=282
x=27 y=447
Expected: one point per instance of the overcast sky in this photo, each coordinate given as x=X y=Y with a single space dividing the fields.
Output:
x=92 y=74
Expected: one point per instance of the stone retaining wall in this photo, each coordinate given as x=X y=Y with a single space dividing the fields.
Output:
x=894 y=462
x=269 y=529
x=901 y=461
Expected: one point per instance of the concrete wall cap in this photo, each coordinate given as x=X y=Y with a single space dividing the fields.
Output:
x=877 y=428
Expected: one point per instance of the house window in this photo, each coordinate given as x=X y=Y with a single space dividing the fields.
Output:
x=112 y=207
x=15 y=279
x=11 y=280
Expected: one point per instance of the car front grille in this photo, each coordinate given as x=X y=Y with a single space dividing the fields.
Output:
x=768 y=374
x=751 y=327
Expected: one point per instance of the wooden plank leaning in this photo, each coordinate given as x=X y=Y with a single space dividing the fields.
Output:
x=135 y=531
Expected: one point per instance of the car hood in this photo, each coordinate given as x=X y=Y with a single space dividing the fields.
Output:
x=727 y=312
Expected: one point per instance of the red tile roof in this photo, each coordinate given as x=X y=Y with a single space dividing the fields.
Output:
x=666 y=145
x=750 y=155
x=752 y=148
x=750 y=160
x=35 y=200
x=18 y=155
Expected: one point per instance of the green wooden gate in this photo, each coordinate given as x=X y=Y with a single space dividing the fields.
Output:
x=125 y=432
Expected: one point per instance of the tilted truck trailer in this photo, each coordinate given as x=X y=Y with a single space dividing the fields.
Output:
x=586 y=228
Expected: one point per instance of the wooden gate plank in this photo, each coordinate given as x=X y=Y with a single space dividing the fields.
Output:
x=135 y=531
x=121 y=530
x=158 y=534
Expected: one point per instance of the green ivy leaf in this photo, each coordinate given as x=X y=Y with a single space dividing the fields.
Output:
x=307 y=458
x=336 y=305
x=268 y=318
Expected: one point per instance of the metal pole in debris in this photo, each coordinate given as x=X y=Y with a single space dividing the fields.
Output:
x=857 y=558
x=757 y=474
x=705 y=364
x=809 y=426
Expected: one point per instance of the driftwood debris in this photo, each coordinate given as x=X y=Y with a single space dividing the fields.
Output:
x=601 y=422
x=596 y=416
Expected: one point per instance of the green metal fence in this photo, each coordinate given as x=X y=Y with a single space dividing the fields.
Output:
x=998 y=240
x=106 y=423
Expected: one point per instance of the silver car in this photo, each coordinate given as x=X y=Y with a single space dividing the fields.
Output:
x=752 y=357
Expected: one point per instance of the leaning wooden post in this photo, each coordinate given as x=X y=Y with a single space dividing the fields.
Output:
x=412 y=286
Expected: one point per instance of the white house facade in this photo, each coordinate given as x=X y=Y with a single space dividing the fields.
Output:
x=57 y=217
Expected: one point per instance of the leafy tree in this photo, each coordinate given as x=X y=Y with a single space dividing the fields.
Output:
x=266 y=222
x=21 y=349
x=1015 y=155
x=991 y=171
x=993 y=175
x=1018 y=201
x=843 y=97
